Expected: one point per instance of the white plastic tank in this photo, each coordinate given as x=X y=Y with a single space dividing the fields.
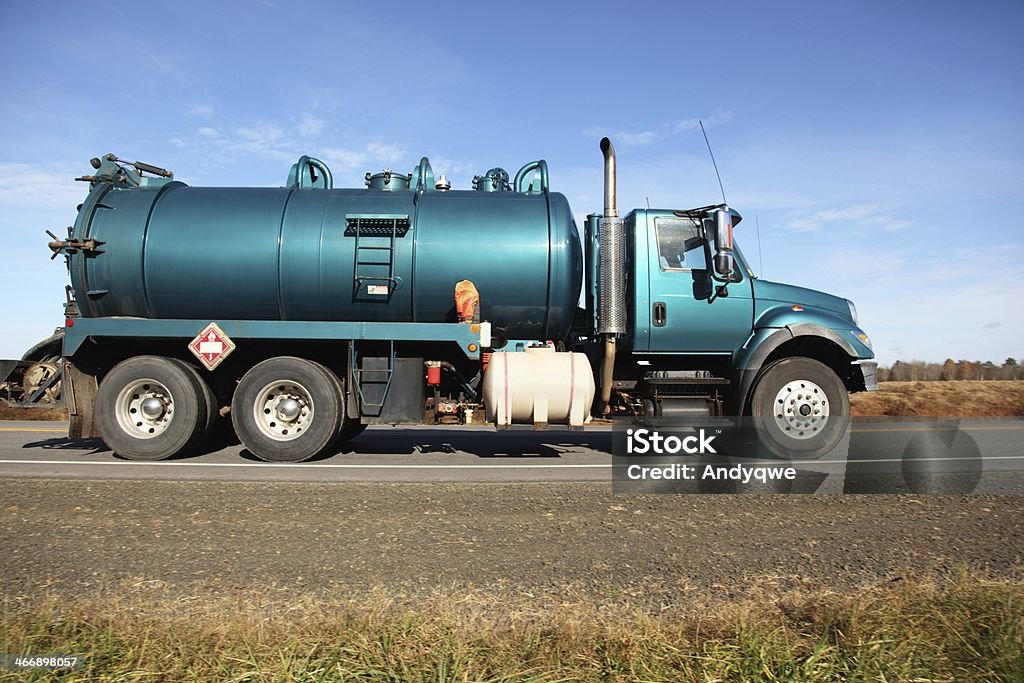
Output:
x=538 y=386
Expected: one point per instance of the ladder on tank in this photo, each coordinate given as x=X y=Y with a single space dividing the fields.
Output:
x=373 y=380
x=376 y=237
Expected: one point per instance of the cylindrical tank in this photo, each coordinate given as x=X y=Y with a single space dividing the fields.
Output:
x=323 y=254
x=539 y=386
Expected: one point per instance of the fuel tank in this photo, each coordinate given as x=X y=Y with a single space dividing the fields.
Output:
x=391 y=252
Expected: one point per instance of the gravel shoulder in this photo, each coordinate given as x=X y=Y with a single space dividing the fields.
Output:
x=286 y=540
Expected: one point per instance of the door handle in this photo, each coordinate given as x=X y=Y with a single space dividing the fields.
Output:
x=660 y=313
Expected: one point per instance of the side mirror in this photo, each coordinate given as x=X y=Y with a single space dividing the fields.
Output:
x=724 y=264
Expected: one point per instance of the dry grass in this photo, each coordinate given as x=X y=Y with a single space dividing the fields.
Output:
x=942 y=399
x=964 y=630
x=7 y=413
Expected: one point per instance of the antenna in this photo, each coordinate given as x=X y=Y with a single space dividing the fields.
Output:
x=760 y=258
x=648 y=202
x=713 y=162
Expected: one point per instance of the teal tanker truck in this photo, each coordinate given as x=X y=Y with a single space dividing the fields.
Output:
x=301 y=314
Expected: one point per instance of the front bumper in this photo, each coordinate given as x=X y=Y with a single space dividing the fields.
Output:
x=869 y=370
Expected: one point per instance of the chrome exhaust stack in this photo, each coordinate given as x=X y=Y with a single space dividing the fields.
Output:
x=611 y=307
x=610 y=208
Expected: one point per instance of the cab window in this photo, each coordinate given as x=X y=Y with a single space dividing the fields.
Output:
x=680 y=246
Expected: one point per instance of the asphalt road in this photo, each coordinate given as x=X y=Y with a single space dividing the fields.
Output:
x=398 y=454
x=481 y=454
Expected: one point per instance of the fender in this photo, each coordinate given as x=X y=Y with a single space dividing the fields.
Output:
x=51 y=346
x=751 y=357
x=764 y=341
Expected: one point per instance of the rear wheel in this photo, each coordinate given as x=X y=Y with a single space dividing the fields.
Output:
x=149 y=408
x=800 y=408
x=287 y=409
x=208 y=401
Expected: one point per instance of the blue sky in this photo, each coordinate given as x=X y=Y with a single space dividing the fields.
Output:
x=879 y=145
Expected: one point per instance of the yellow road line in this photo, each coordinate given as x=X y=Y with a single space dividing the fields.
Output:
x=30 y=429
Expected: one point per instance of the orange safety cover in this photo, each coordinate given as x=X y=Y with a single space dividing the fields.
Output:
x=467 y=302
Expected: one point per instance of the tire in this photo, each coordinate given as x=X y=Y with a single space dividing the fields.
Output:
x=269 y=428
x=171 y=424
x=208 y=403
x=800 y=408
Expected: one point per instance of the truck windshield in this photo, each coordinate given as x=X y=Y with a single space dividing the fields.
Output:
x=743 y=260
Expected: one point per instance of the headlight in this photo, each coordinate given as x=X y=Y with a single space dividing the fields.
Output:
x=853 y=312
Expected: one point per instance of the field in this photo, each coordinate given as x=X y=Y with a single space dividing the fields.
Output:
x=942 y=399
x=7 y=413
x=965 y=630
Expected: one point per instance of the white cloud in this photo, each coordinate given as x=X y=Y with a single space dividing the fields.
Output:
x=719 y=117
x=31 y=185
x=922 y=320
x=640 y=138
x=202 y=110
x=262 y=135
x=260 y=140
x=210 y=148
x=310 y=125
x=867 y=215
x=460 y=173
x=643 y=138
x=347 y=159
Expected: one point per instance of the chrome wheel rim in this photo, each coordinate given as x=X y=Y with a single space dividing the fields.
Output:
x=144 y=409
x=283 y=410
x=801 y=409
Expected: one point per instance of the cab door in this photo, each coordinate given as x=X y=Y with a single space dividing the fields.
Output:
x=681 y=319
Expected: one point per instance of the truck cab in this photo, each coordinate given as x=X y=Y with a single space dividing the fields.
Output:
x=707 y=338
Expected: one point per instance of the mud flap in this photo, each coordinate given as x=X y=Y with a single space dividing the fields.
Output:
x=79 y=391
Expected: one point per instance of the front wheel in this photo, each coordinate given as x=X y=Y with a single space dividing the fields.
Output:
x=287 y=409
x=801 y=408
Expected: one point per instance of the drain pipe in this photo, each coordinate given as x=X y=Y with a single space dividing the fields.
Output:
x=611 y=308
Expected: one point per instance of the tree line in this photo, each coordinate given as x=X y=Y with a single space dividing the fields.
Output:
x=918 y=370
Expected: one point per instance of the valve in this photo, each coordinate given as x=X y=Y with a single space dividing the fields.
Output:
x=71 y=246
